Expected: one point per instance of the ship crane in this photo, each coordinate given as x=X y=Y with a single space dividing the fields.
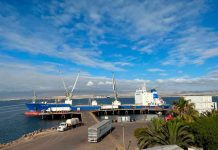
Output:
x=69 y=92
x=34 y=97
x=115 y=102
x=74 y=85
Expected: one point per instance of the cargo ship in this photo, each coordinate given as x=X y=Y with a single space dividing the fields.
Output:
x=143 y=99
x=148 y=98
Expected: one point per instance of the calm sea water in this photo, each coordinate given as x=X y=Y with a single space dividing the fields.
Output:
x=13 y=123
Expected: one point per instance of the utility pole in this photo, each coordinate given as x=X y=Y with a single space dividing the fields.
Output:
x=123 y=137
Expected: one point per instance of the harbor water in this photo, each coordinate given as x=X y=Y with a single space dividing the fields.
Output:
x=13 y=123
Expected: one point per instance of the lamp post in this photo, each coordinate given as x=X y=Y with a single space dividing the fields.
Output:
x=123 y=137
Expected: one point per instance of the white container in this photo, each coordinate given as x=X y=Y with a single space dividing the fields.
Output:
x=119 y=119
x=123 y=119
x=53 y=109
x=72 y=121
x=106 y=107
x=127 y=118
x=98 y=130
x=109 y=107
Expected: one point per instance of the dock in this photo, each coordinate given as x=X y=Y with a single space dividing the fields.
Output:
x=55 y=115
x=124 y=110
x=133 y=111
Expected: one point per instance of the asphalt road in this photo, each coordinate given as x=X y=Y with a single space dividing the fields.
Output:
x=76 y=139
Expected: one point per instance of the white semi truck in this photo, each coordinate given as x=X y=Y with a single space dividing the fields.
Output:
x=97 y=131
x=68 y=124
x=62 y=127
x=72 y=122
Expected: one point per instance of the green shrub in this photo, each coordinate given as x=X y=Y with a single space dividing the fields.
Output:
x=205 y=131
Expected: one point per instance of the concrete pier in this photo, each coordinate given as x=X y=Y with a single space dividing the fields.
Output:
x=60 y=115
x=130 y=111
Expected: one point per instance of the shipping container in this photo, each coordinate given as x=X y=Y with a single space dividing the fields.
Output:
x=109 y=107
x=85 y=108
x=97 y=131
x=123 y=118
x=54 y=109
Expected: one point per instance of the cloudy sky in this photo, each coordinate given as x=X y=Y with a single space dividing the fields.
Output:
x=171 y=45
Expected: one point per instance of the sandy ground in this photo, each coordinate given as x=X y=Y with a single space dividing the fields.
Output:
x=76 y=139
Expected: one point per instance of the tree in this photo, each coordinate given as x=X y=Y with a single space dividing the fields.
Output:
x=205 y=131
x=159 y=132
x=185 y=110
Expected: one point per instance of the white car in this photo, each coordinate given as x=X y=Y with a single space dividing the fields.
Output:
x=62 y=127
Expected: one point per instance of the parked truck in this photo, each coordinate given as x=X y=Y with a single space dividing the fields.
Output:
x=62 y=127
x=97 y=131
x=73 y=122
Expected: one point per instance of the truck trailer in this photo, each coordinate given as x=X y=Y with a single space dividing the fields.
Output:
x=97 y=131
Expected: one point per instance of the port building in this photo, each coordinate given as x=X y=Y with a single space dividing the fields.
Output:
x=202 y=103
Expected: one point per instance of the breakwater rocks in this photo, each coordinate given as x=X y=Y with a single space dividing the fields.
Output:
x=28 y=136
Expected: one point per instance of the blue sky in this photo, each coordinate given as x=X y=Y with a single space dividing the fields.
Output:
x=169 y=44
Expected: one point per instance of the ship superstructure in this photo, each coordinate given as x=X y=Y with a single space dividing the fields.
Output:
x=147 y=98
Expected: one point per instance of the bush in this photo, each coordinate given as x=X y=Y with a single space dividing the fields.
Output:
x=158 y=132
x=205 y=131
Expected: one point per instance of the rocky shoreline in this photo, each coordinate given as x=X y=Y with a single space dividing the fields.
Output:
x=28 y=136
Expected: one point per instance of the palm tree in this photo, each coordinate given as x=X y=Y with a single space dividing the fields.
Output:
x=185 y=110
x=159 y=132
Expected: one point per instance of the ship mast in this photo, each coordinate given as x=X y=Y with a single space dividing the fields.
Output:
x=144 y=86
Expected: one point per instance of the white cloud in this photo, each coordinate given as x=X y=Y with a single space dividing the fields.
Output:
x=101 y=83
x=194 y=46
x=146 y=25
x=213 y=74
x=142 y=22
x=47 y=40
x=21 y=77
x=142 y=81
x=90 y=83
x=123 y=63
x=155 y=70
x=108 y=82
x=163 y=74
x=207 y=83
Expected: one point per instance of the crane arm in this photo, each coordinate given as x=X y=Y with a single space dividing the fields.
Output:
x=75 y=83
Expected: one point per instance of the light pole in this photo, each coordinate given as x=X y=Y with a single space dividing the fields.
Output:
x=123 y=137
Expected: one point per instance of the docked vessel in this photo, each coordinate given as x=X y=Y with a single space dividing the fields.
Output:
x=148 y=98
x=35 y=107
x=143 y=99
